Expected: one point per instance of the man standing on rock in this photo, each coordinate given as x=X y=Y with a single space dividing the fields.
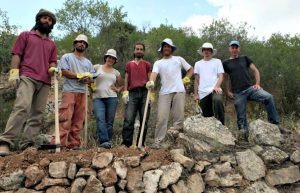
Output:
x=135 y=93
x=172 y=91
x=77 y=71
x=32 y=65
x=208 y=79
x=241 y=89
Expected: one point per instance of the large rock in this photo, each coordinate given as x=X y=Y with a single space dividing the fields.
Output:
x=196 y=145
x=93 y=185
x=171 y=174
x=287 y=175
x=57 y=189
x=102 y=160
x=180 y=187
x=33 y=175
x=13 y=181
x=214 y=179
x=151 y=179
x=72 y=171
x=150 y=165
x=274 y=155
x=295 y=157
x=183 y=160
x=252 y=167
x=108 y=176
x=260 y=187
x=132 y=161
x=86 y=172
x=135 y=180
x=195 y=184
x=58 y=169
x=78 y=185
x=120 y=168
x=110 y=189
x=25 y=190
x=46 y=182
x=209 y=130
x=264 y=133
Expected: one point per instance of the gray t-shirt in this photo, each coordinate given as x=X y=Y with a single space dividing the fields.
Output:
x=104 y=81
x=72 y=63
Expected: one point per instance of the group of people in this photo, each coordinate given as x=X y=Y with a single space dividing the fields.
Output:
x=34 y=62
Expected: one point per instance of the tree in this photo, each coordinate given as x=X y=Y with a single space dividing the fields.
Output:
x=7 y=37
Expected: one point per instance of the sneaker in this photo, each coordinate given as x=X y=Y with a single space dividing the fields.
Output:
x=4 y=149
x=284 y=130
x=106 y=145
x=24 y=146
x=243 y=134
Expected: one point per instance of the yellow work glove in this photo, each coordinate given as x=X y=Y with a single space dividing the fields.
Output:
x=82 y=75
x=125 y=96
x=14 y=77
x=53 y=70
x=150 y=84
x=186 y=80
x=152 y=97
x=93 y=87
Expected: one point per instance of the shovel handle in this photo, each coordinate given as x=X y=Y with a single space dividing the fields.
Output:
x=144 y=121
x=57 y=135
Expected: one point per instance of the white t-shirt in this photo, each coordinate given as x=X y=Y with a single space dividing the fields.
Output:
x=169 y=71
x=208 y=72
x=104 y=82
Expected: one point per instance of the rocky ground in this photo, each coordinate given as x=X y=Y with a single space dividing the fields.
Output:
x=204 y=157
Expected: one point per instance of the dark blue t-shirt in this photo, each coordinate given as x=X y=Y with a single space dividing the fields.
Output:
x=238 y=71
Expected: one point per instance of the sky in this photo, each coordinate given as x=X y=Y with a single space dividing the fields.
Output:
x=264 y=16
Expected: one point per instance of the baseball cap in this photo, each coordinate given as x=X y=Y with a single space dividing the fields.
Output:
x=234 y=42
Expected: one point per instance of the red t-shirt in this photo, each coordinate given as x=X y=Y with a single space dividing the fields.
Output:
x=137 y=73
x=36 y=54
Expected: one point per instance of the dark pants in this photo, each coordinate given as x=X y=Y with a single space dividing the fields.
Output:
x=212 y=105
x=136 y=104
x=252 y=94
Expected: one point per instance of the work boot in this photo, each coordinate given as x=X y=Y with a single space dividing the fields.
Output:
x=4 y=149
x=284 y=130
x=243 y=134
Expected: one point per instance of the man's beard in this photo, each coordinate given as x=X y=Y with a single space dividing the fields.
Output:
x=44 y=28
x=79 y=49
x=138 y=56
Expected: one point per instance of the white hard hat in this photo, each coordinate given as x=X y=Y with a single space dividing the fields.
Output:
x=82 y=37
x=169 y=42
x=207 y=45
x=111 y=52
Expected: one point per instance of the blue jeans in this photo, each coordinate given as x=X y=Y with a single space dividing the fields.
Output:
x=105 y=110
x=136 y=104
x=252 y=94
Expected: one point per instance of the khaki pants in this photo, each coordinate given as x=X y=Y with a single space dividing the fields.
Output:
x=27 y=112
x=71 y=118
x=175 y=103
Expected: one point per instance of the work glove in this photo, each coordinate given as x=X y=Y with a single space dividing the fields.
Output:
x=125 y=96
x=53 y=70
x=83 y=75
x=93 y=87
x=186 y=80
x=14 y=77
x=150 y=84
x=152 y=97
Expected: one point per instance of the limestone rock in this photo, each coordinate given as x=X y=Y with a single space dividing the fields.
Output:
x=25 y=190
x=120 y=168
x=108 y=176
x=44 y=162
x=85 y=172
x=228 y=158
x=252 y=167
x=58 y=169
x=72 y=171
x=57 y=189
x=223 y=168
x=200 y=165
x=78 y=185
x=132 y=161
x=33 y=175
x=122 y=184
x=183 y=160
x=260 y=187
x=150 y=165
x=102 y=160
x=135 y=180
x=151 y=179
x=180 y=187
x=287 y=175
x=171 y=174
x=295 y=157
x=197 y=146
x=177 y=151
x=195 y=184
x=110 y=189
x=46 y=182
x=223 y=180
x=274 y=155
x=13 y=181
x=264 y=133
x=93 y=185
